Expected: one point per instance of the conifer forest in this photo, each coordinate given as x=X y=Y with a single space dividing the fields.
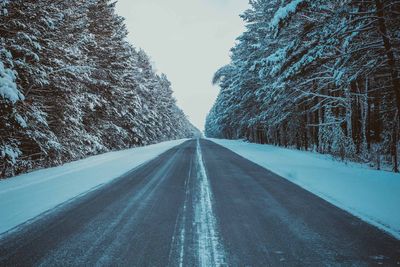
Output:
x=315 y=75
x=71 y=86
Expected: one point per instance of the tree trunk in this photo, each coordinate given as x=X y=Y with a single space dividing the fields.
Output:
x=364 y=119
x=395 y=143
x=389 y=51
x=306 y=128
x=349 y=110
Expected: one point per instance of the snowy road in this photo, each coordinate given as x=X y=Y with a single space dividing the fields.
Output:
x=199 y=204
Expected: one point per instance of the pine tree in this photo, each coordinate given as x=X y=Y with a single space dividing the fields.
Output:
x=72 y=86
x=309 y=73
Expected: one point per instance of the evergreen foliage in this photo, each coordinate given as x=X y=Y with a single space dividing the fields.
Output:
x=316 y=75
x=72 y=86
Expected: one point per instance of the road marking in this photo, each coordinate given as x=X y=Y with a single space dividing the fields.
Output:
x=195 y=240
x=210 y=249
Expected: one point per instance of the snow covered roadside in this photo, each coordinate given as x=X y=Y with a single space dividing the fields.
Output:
x=373 y=196
x=26 y=196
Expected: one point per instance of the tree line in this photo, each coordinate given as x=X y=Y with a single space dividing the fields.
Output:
x=71 y=86
x=315 y=75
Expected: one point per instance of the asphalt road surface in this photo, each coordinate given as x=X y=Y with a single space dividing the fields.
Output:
x=198 y=204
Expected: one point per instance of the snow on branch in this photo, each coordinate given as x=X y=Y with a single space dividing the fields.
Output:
x=284 y=12
x=8 y=87
x=9 y=153
x=225 y=70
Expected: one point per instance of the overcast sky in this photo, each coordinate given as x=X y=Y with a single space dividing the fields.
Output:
x=188 y=40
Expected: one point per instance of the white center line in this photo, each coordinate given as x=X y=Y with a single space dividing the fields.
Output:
x=210 y=250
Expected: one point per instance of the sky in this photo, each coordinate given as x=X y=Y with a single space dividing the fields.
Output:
x=188 y=40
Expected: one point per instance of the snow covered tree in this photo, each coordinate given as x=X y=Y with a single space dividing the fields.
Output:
x=72 y=86
x=303 y=78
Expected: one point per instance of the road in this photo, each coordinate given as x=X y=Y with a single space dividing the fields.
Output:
x=198 y=204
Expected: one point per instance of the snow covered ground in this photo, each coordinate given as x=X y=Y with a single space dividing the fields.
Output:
x=373 y=196
x=27 y=196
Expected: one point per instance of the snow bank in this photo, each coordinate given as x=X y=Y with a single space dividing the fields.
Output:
x=26 y=196
x=373 y=196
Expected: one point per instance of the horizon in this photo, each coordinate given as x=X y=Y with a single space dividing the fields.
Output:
x=213 y=27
